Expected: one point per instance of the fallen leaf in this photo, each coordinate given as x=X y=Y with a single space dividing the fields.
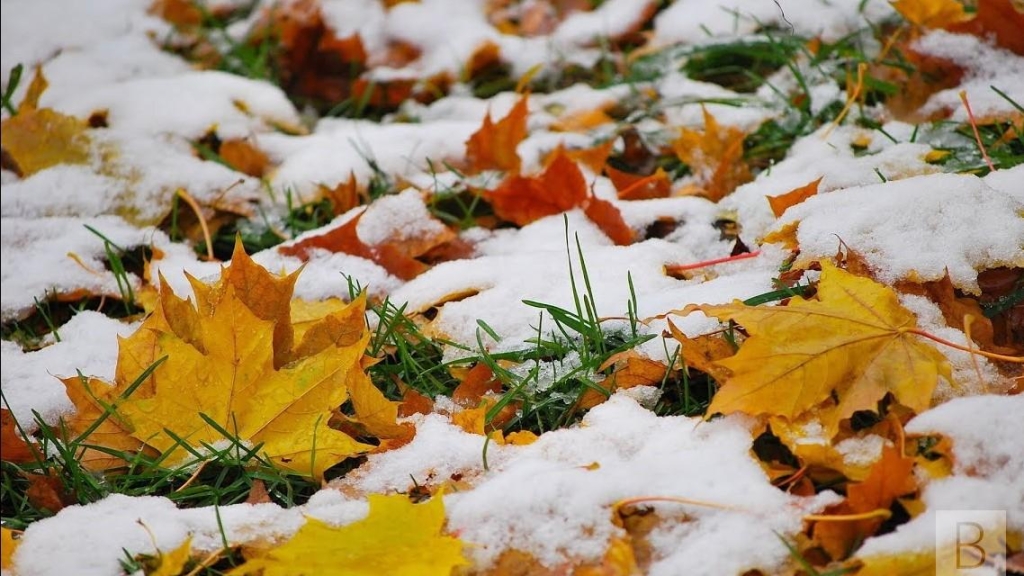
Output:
x=608 y=218
x=704 y=352
x=180 y=13
x=594 y=157
x=8 y=544
x=397 y=538
x=375 y=412
x=40 y=138
x=243 y=156
x=854 y=340
x=13 y=447
x=522 y=200
x=581 y=121
x=231 y=365
x=715 y=155
x=47 y=491
x=345 y=195
x=493 y=145
x=931 y=13
x=638 y=187
x=956 y=308
x=890 y=477
x=783 y=202
x=478 y=382
x=173 y=563
x=345 y=239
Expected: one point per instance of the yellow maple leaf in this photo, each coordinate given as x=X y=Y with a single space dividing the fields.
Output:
x=7 y=547
x=855 y=340
x=173 y=563
x=233 y=365
x=931 y=13
x=398 y=538
x=715 y=155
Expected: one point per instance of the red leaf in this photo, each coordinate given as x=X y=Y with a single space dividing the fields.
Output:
x=637 y=187
x=609 y=220
x=522 y=200
x=345 y=238
x=493 y=146
x=13 y=447
x=782 y=202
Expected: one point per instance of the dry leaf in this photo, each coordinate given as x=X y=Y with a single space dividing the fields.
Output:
x=703 y=352
x=38 y=139
x=13 y=447
x=715 y=155
x=8 y=544
x=243 y=156
x=783 y=202
x=637 y=187
x=173 y=563
x=998 y=19
x=931 y=13
x=581 y=121
x=47 y=491
x=232 y=364
x=609 y=220
x=853 y=341
x=397 y=538
x=345 y=238
x=890 y=478
x=522 y=200
x=493 y=146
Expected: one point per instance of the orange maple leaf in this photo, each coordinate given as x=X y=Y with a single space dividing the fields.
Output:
x=560 y=187
x=638 y=187
x=1000 y=19
x=890 y=478
x=398 y=258
x=522 y=200
x=783 y=202
x=855 y=340
x=493 y=146
x=715 y=155
x=13 y=447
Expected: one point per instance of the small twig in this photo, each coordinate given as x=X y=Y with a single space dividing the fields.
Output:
x=677 y=500
x=968 y=319
x=673 y=268
x=861 y=68
x=202 y=220
x=974 y=127
x=877 y=513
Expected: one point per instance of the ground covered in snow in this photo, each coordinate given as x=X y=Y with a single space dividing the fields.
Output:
x=171 y=133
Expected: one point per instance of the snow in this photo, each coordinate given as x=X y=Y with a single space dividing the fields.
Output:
x=914 y=229
x=878 y=193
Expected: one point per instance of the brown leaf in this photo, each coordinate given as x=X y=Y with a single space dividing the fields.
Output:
x=46 y=491
x=13 y=447
x=243 y=156
x=345 y=239
x=493 y=146
x=999 y=19
x=258 y=493
x=891 y=477
x=609 y=220
x=704 y=352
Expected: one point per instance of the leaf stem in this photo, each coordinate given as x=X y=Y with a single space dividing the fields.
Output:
x=974 y=127
x=882 y=513
x=675 y=268
x=969 y=350
x=181 y=193
x=676 y=499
